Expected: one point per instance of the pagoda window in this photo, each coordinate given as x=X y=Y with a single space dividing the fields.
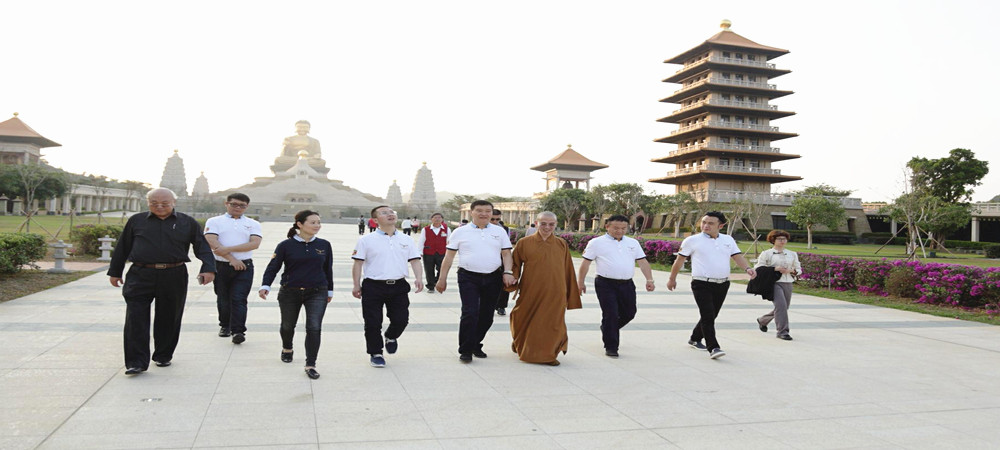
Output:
x=752 y=78
x=738 y=162
x=753 y=120
x=739 y=56
x=752 y=99
x=740 y=141
x=739 y=76
x=739 y=98
x=725 y=96
x=724 y=117
x=724 y=139
x=723 y=161
x=739 y=119
x=725 y=54
x=725 y=76
x=751 y=57
x=755 y=142
x=754 y=163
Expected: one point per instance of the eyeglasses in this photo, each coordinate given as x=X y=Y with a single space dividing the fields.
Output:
x=387 y=213
x=238 y=205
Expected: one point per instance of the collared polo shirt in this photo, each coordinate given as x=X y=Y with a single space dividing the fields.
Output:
x=709 y=257
x=479 y=248
x=385 y=255
x=615 y=259
x=233 y=232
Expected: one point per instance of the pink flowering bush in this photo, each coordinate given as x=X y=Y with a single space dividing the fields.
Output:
x=658 y=251
x=938 y=283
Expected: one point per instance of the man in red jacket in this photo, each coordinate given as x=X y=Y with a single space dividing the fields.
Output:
x=433 y=239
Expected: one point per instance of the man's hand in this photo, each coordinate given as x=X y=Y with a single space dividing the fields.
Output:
x=356 y=292
x=206 y=277
x=420 y=286
x=221 y=251
x=671 y=284
x=583 y=287
x=238 y=265
x=441 y=285
x=650 y=286
x=508 y=279
x=262 y=294
x=753 y=273
x=116 y=281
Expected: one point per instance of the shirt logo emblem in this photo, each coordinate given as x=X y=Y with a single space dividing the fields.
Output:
x=355 y=253
x=320 y=252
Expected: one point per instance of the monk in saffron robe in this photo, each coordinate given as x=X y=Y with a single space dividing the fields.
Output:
x=546 y=289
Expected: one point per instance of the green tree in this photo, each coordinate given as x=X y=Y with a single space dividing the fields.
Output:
x=30 y=182
x=452 y=208
x=624 y=198
x=995 y=199
x=568 y=204
x=951 y=178
x=597 y=203
x=811 y=210
x=824 y=190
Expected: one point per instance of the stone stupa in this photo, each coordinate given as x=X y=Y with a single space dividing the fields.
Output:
x=173 y=175
x=200 y=189
x=423 y=198
x=395 y=196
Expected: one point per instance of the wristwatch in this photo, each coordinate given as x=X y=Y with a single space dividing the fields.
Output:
x=508 y=272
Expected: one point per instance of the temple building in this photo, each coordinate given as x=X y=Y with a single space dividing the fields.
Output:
x=567 y=170
x=395 y=196
x=19 y=144
x=173 y=175
x=423 y=199
x=200 y=189
x=726 y=134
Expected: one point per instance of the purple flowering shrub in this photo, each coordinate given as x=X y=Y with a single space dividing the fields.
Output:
x=938 y=283
x=657 y=251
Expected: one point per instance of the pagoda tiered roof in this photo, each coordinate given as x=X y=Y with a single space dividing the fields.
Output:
x=15 y=130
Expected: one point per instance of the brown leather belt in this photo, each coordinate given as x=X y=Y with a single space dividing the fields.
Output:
x=158 y=265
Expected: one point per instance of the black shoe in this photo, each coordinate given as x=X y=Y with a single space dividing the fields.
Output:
x=225 y=332
x=502 y=311
x=391 y=346
x=286 y=357
x=134 y=371
x=162 y=363
x=611 y=353
x=716 y=353
x=698 y=345
x=312 y=373
x=377 y=361
x=239 y=338
x=784 y=337
x=479 y=354
x=465 y=357
x=763 y=328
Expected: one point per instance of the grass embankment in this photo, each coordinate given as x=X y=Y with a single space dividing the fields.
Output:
x=54 y=227
x=28 y=282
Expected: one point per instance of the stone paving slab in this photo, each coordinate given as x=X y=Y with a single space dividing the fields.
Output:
x=855 y=376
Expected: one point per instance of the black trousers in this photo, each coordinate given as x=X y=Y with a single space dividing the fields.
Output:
x=169 y=288
x=617 y=299
x=503 y=299
x=361 y=229
x=479 y=293
x=290 y=302
x=709 y=297
x=395 y=298
x=231 y=290
x=432 y=268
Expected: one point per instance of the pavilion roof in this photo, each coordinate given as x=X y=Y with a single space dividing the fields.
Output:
x=727 y=39
x=569 y=159
x=15 y=130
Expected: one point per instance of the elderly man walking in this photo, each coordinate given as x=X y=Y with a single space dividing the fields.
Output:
x=157 y=244
x=546 y=289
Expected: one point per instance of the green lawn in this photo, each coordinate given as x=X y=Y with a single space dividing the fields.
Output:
x=54 y=227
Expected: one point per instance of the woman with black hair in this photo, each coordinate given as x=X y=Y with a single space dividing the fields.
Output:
x=306 y=281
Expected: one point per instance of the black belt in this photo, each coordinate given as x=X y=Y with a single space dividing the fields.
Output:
x=244 y=261
x=389 y=282
x=499 y=269
x=614 y=280
x=157 y=265
x=303 y=288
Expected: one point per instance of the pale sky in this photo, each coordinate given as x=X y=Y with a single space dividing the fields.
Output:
x=482 y=91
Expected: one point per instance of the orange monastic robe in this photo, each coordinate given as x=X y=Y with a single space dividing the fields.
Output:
x=547 y=288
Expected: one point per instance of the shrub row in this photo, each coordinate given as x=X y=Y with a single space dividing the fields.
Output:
x=85 y=237
x=819 y=237
x=18 y=249
x=950 y=284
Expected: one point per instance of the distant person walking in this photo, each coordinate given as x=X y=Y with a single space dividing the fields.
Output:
x=383 y=256
x=785 y=262
x=616 y=256
x=372 y=225
x=415 y=225
x=432 y=243
x=710 y=252
x=157 y=243
x=233 y=237
x=484 y=269
x=307 y=281
x=361 y=225
x=407 y=226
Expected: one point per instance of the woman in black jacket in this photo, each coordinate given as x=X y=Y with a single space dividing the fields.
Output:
x=306 y=281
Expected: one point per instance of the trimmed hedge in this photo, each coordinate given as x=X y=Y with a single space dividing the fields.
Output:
x=85 y=237
x=18 y=249
x=993 y=251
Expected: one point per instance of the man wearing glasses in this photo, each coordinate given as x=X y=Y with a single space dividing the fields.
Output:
x=233 y=237
x=157 y=243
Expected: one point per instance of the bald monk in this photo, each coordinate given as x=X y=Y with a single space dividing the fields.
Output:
x=547 y=288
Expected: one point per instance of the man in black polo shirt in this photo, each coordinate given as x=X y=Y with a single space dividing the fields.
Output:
x=157 y=244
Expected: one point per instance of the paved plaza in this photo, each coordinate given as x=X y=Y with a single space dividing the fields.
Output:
x=855 y=376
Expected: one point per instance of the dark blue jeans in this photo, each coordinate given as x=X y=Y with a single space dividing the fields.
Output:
x=291 y=301
x=479 y=292
x=231 y=290
x=617 y=299
x=709 y=297
x=395 y=299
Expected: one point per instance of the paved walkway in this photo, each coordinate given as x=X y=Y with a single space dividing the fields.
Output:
x=854 y=377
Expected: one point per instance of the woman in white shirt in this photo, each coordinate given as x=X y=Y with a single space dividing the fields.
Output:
x=785 y=262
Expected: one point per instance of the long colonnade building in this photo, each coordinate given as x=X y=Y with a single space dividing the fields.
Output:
x=725 y=140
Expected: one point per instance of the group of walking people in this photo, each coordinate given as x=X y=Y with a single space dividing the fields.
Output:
x=538 y=271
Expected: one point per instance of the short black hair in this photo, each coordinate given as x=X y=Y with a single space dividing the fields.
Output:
x=717 y=215
x=377 y=207
x=497 y=212
x=616 y=218
x=465 y=220
x=238 y=196
x=437 y=214
x=480 y=203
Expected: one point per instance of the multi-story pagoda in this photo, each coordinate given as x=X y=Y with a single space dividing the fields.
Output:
x=725 y=140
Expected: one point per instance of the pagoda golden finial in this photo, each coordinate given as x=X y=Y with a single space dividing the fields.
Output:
x=725 y=24
x=569 y=145
x=425 y=163
x=15 y=114
x=303 y=154
x=175 y=150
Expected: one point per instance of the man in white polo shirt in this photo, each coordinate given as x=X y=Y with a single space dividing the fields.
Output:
x=233 y=237
x=383 y=256
x=484 y=268
x=616 y=256
x=710 y=252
